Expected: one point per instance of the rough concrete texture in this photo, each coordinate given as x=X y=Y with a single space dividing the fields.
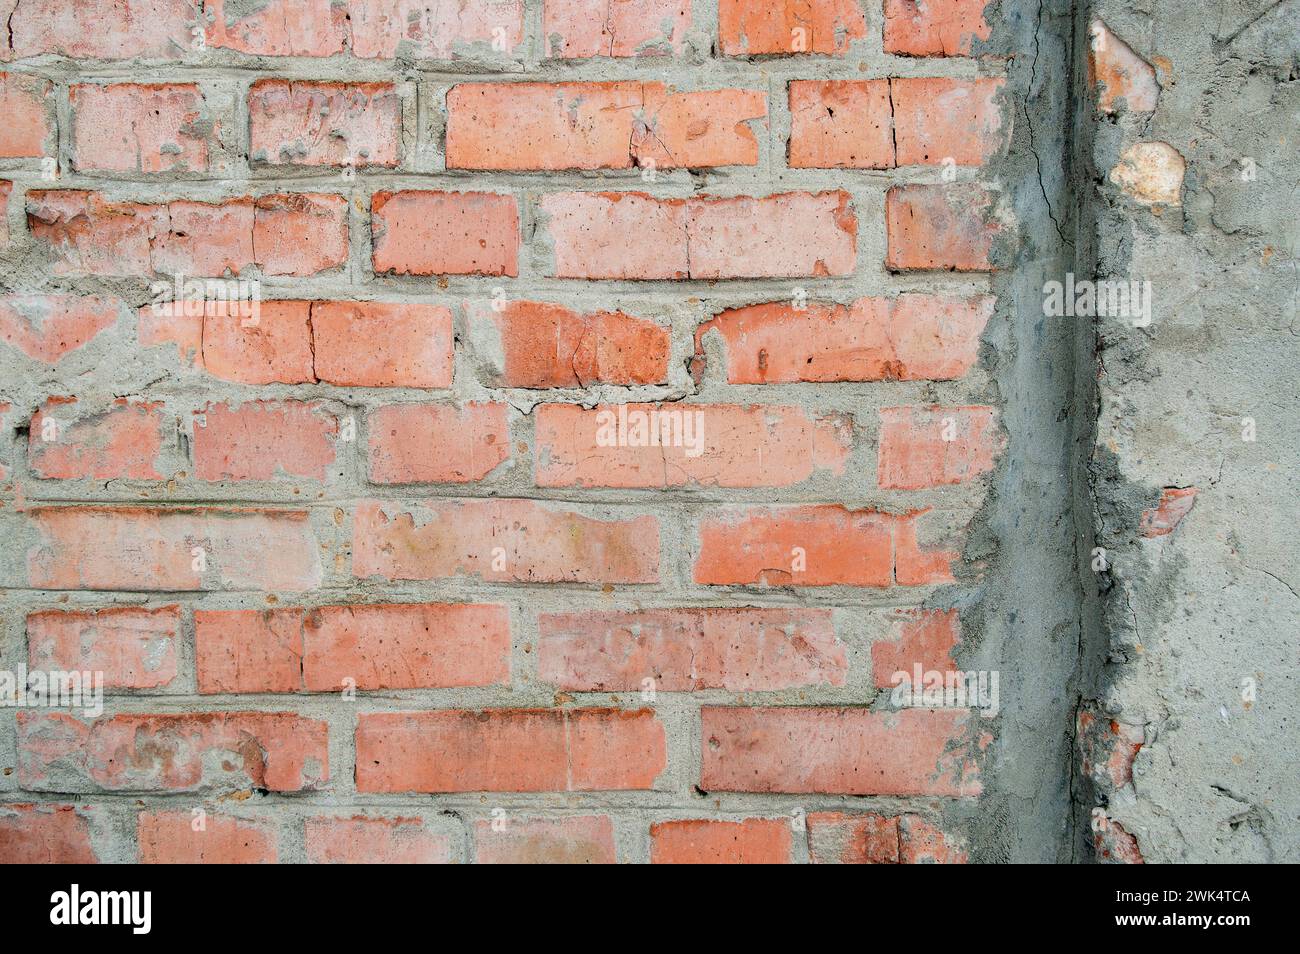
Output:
x=1098 y=420
x=1191 y=652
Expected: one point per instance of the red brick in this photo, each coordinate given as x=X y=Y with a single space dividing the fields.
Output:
x=756 y=27
x=922 y=28
x=852 y=839
x=382 y=344
x=837 y=751
x=865 y=839
x=129 y=127
x=437 y=443
x=577 y=29
x=100 y=29
x=920 y=843
x=1114 y=845
x=550 y=346
x=908 y=338
x=279 y=234
x=407 y=646
x=509 y=750
x=134 y=648
x=932 y=227
x=939 y=119
x=707 y=445
x=47 y=327
x=915 y=637
x=178 y=752
x=572 y=840
x=914 y=451
x=371 y=840
x=445 y=233
x=324 y=124
x=522 y=126
x=1118 y=74
x=686 y=650
x=248 y=650
x=120 y=442
x=754 y=841
x=24 y=103
x=841 y=124
x=1107 y=748
x=139 y=548
x=788 y=235
x=371 y=29
x=169 y=838
x=261 y=440
x=838 y=547
x=299 y=234
x=520 y=541
x=351 y=344
x=45 y=835
x=914 y=566
x=1175 y=503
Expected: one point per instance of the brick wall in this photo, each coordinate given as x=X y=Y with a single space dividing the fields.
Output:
x=401 y=534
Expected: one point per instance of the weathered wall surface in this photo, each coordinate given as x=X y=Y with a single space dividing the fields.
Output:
x=370 y=578
x=1189 y=733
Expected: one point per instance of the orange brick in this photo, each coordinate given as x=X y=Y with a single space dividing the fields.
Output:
x=509 y=750
x=248 y=650
x=519 y=541
x=133 y=648
x=278 y=751
x=407 y=646
x=141 y=548
x=371 y=29
x=382 y=344
x=931 y=446
x=550 y=346
x=437 y=443
x=947 y=228
x=841 y=124
x=171 y=838
x=787 y=235
x=756 y=27
x=67 y=443
x=24 y=103
x=520 y=126
x=941 y=119
x=101 y=29
x=261 y=440
x=822 y=545
x=908 y=338
x=672 y=445
x=572 y=840
x=445 y=233
x=576 y=29
x=48 y=327
x=324 y=124
x=685 y=650
x=921 y=28
x=45 y=835
x=130 y=127
x=371 y=840
x=915 y=637
x=842 y=751
x=754 y=841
